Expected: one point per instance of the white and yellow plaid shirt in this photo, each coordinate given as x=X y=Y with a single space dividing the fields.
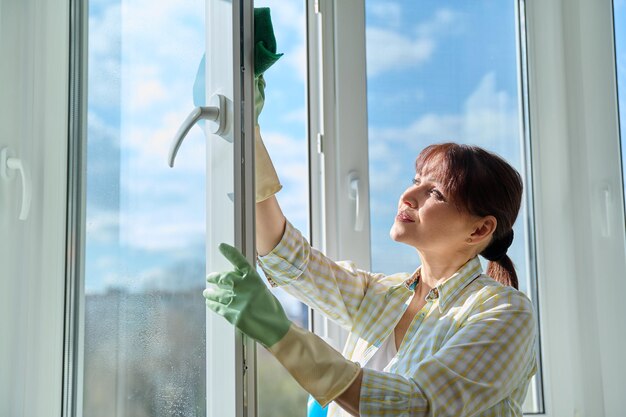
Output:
x=470 y=351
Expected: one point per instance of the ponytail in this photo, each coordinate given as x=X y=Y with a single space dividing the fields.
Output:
x=500 y=266
x=503 y=271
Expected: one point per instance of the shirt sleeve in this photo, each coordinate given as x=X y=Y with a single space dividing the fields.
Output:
x=334 y=288
x=489 y=356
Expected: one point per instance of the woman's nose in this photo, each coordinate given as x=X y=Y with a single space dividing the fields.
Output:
x=412 y=196
x=409 y=203
x=409 y=198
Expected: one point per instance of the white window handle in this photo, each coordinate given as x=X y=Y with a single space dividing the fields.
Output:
x=8 y=165
x=355 y=193
x=216 y=113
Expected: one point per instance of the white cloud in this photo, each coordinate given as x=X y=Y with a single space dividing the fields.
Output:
x=170 y=227
x=180 y=275
x=102 y=130
x=185 y=274
x=394 y=50
x=489 y=119
x=157 y=57
x=296 y=58
x=144 y=89
x=106 y=262
x=388 y=178
x=289 y=156
x=396 y=99
x=444 y=21
x=163 y=209
x=102 y=226
x=162 y=28
x=389 y=50
x=147 y=141
x=389 y=12
x=429 y=128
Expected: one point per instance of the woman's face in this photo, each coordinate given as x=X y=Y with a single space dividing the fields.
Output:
x=428 y=220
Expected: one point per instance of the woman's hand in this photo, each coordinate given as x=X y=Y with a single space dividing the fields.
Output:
x=241 y=297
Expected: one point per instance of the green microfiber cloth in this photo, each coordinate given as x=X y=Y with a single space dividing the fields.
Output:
x=264 y=41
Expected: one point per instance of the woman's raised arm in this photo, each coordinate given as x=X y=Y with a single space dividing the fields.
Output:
x=270 y=225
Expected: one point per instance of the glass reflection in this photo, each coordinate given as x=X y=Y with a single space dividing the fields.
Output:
x=144 y=347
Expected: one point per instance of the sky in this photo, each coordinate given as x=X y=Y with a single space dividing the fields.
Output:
x=436 y=71
x=458 y=83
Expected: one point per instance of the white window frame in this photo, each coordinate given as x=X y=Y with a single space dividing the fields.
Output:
x=578 y=193
x=32 y=254
x=337 y=98
x=572 y=102
x=231 y=356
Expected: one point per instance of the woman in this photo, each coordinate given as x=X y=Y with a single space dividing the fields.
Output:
x=446 y=340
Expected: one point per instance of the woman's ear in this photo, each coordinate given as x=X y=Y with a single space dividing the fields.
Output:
x=484 y=228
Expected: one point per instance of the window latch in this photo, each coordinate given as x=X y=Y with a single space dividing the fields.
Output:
x=216 y=114
x=8 y=166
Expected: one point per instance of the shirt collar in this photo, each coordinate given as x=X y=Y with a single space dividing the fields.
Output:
x=450 y=289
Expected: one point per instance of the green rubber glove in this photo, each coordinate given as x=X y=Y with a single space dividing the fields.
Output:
x=259 y=97
x=241 y=297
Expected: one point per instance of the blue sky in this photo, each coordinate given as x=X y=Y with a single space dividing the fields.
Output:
x=437 y=71
x=461 y=87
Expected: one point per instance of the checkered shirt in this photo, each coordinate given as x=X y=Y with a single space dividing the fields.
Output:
x=470 y=351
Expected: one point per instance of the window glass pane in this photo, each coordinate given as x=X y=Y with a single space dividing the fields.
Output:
x=619 y=15
x=144 y=346
x=283 y=128
x=440 y=71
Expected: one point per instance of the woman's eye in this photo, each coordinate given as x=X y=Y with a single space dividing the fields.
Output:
x=415 y=181
x=437 y=194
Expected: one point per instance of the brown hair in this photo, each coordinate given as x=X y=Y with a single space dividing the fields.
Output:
x=481 y=183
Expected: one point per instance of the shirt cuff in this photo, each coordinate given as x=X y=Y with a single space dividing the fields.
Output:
x=288 y=260
x=384 y=393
